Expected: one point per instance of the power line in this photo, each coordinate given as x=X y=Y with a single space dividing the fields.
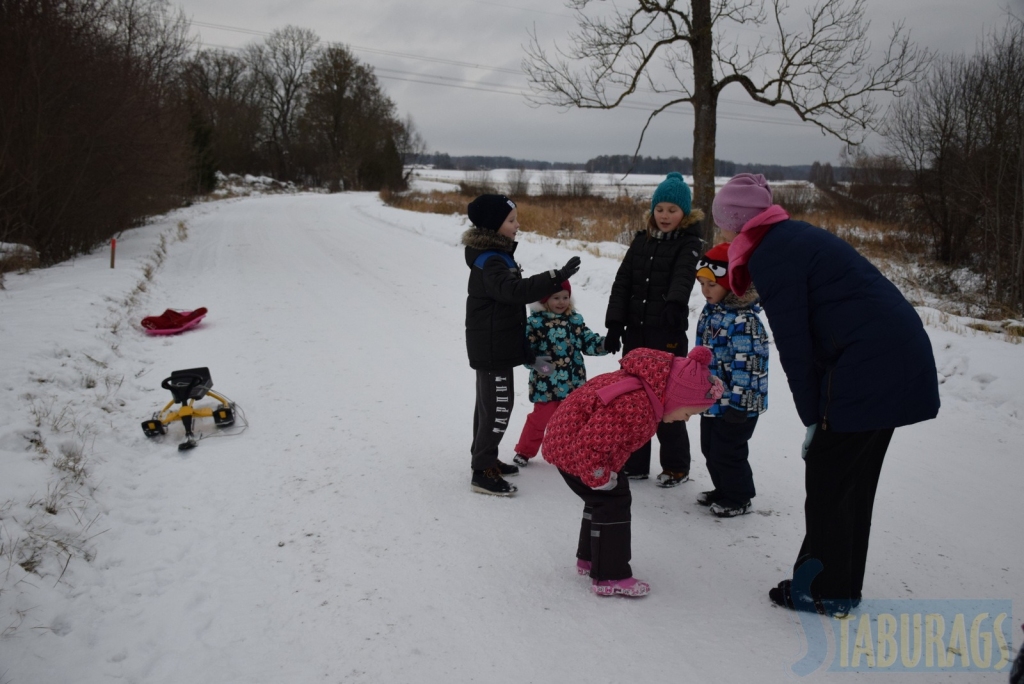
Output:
x=420 y=58
x=496 y=88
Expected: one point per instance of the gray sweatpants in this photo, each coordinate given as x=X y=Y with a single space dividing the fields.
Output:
x=495 y=394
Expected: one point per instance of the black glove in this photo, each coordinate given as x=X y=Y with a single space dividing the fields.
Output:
x=734 y=415
x=673 y=315
x=569 y=270
x=613 y=340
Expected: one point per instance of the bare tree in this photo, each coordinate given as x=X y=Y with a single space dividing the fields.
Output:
x=356 y=139
x=223 y=95
x=579 y=184
x=90 y=143
x=878 y=185
x=281 y=64
x=960 y=136
x=519 y=182
x=411 y=144
x=551 y=184
x=687 y=53
x=154 y=37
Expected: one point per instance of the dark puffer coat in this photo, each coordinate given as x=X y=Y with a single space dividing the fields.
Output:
x=658 y=268
x=855 y=352
x=496 y=305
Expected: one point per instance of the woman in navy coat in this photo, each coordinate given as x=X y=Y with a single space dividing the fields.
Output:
x=859 y=364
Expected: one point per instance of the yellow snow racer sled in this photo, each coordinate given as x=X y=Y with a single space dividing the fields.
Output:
x=187 y=387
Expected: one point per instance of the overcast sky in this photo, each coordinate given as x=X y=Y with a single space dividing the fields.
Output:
x=455 y=67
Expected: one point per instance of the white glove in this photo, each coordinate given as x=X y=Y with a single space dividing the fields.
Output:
x=807 y=440
x=613 y=481
x=543 y=365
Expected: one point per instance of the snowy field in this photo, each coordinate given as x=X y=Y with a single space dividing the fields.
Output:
x=336 y=538
x=604 y=184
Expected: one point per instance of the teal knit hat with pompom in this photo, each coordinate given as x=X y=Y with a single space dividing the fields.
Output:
x=675 y=190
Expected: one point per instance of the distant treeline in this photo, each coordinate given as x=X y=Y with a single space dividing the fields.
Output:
x=441 y=160
x=621 y=164
x=624 y=163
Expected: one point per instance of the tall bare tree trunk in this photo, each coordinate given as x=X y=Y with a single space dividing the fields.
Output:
x=705 y=106
x=1017 y=291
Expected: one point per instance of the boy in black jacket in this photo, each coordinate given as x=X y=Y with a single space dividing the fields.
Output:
x=496 y=329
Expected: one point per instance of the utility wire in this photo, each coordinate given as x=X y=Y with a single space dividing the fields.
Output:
x=500 y=89
x=420 y=58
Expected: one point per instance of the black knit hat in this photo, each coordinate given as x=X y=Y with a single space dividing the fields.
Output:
x=490 y=211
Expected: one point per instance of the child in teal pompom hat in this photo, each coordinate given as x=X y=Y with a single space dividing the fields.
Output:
x=649 y=307
x=673 y=190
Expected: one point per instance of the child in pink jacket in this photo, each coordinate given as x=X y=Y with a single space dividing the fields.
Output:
x=594 y=431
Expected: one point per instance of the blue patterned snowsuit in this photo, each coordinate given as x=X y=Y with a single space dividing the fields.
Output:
x=733 y=332
x=738 y=342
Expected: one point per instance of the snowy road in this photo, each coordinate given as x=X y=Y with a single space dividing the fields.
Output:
x=336 y=539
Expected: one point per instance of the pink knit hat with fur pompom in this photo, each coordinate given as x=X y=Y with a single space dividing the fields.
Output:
x=690 y=383
x=745 y=196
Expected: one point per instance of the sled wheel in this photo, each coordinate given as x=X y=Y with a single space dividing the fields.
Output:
x=224 y=416
x=153 y=428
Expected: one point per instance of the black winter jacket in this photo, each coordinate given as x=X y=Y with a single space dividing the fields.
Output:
x=656 y=270
x=496 y=305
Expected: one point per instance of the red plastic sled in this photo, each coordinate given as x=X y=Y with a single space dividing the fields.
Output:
x=173 y=321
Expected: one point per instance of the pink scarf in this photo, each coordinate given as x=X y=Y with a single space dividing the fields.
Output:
x=630 y=384
x=744 y=244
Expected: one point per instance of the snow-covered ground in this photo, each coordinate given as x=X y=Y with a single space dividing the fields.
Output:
x=336 y=538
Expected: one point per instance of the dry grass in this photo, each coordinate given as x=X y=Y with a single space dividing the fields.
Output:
x=601 y=219
x=17 y=261
x=873 y=239
x=901 y=253
x=428 y=203
x=591 y=219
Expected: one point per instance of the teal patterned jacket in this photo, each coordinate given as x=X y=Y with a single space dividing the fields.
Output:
x=733 y=332
x=565 y=338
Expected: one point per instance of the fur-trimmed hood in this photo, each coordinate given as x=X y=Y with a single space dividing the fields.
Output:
x=537 y=307
x=478 y=238
x=744 y=301
x=691 y=219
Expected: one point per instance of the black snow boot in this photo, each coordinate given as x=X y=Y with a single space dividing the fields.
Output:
x=506 y=469
x=709 y=497
x=490 y=482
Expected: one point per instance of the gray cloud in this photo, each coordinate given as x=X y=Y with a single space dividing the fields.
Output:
x=454 y=65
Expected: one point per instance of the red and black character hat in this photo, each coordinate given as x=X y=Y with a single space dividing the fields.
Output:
x=714 y=265
x=565 y=286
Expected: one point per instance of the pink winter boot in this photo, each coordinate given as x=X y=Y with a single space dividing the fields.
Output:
x=582 y=567
x=627 y=587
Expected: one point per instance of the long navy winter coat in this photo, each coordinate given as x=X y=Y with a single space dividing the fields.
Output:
x=854 y=350
x=497 y=295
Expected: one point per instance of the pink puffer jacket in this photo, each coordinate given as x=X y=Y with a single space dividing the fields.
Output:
x=590 y=439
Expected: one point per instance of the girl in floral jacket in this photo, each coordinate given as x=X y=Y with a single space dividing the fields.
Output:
x=595 y=430
x=559 y=338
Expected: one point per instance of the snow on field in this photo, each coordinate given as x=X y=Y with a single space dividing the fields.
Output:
x=336 y=538
x=605 y=184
